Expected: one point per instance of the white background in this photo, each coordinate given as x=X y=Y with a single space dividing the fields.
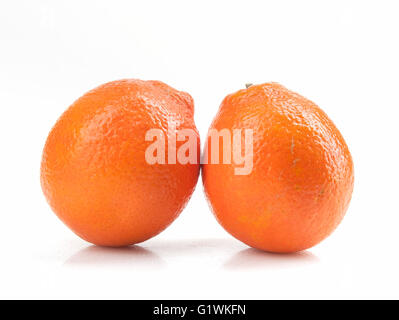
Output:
x=341 y=54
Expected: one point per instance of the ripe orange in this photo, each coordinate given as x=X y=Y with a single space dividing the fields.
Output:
x=94 y=173
x=302 y=177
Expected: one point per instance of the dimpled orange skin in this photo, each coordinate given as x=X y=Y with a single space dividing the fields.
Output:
x=94 y=173
x=302 y=178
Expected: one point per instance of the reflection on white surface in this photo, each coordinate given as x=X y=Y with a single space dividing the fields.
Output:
x=103 y=256
x=254 y=258
x=195 y=247
x=226 y=253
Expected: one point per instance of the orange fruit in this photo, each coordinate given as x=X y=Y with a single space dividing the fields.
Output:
x=94 y=171
x=302 y=176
